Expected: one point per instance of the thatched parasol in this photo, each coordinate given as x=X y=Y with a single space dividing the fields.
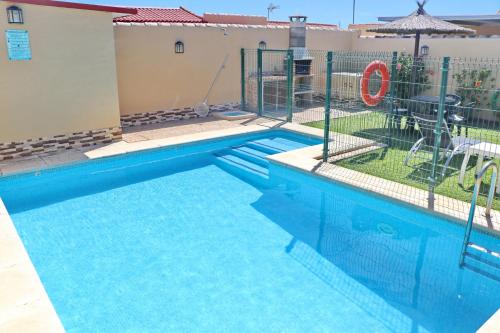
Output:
x=419 y=22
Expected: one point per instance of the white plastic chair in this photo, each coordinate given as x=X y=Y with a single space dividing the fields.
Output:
x=453 y=145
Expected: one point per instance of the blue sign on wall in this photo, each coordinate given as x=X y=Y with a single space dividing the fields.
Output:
x=18 y=44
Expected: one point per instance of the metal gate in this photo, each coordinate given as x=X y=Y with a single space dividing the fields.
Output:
x=282 y=85
x=266 y=82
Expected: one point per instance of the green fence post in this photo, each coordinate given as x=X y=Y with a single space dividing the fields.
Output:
x=326 y=133
x=289 y=86
x=259 y=81
x=243 y=80
x=439 y=125
x=394 y=75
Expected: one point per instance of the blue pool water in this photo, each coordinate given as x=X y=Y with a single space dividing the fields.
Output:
x=210 y=237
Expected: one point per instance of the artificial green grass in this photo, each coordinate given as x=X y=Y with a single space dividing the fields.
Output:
x=388 y=163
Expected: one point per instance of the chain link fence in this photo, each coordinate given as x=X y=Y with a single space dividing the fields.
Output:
x=428 y=123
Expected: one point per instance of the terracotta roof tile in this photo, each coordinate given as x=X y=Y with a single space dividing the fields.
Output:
x=178 y=15
x=182 y=15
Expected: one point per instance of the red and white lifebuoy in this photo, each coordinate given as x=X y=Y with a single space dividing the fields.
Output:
x=381 y=67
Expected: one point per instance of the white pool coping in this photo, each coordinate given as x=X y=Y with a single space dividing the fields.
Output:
x=123 y=147
x=24 y=304
x=492 y=325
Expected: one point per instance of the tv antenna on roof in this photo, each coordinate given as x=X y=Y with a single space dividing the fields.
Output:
x=271 y=8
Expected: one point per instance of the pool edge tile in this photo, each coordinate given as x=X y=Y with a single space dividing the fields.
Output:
x=26 y=306
x=123 y=147
x=492 y=325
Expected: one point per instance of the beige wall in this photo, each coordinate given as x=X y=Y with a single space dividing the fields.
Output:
x=73 y=82
x=485 y=29
x=482 y=30
x=234 y=19
x=69 y=85
x=328 y=40
x=438 y=47
x=152 y=77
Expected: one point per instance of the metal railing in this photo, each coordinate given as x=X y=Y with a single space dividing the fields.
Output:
x=479 y=178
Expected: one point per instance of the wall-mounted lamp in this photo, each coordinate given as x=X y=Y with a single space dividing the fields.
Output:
x=179 y=47
x=15 y=15
x=262 y=45
x=424 y=50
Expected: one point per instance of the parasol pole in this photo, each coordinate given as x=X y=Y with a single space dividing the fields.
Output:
x=417 y=44
x=413 y=78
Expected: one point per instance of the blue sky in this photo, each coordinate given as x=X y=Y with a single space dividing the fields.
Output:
x=325 y=11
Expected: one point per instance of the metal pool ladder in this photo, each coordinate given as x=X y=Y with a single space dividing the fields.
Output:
x=479 y=178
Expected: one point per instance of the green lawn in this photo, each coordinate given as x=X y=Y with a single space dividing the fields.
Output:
x=388 y=163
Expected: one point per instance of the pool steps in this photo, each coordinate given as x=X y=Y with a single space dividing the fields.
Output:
x=243 y=164
x=276 y=145
x=269 y=150
x=249 y=159
x=252 y=155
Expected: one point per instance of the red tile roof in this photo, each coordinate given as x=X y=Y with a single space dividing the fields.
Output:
x=182 y=15
x=75 y=5
x=164 y=15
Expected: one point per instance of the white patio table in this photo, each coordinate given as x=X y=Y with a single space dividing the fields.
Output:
x=482 y=150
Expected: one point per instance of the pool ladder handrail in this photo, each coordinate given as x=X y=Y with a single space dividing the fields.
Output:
x=479 y=179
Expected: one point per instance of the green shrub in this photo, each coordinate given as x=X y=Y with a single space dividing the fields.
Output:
x=473 y=85
x=412 y=78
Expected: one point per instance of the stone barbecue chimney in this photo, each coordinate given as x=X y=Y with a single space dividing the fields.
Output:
x=297 y=43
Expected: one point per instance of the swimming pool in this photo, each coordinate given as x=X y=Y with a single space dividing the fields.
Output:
x=211 y=237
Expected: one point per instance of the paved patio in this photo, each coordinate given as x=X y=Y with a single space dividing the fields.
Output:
x=130 y=135
x=183 y=127
x=307 y=115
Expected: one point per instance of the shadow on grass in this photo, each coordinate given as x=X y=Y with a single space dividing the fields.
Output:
x=364 y=158
x=419 y=171
x=388 y=163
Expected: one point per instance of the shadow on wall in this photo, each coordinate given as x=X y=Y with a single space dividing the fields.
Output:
x=152 y=77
